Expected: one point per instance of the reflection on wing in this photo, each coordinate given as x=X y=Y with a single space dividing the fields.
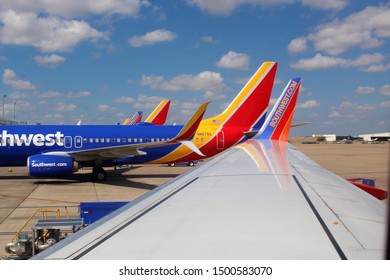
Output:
x=270 y=157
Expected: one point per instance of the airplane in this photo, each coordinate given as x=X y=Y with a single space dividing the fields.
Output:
x=102 y=146
x=157 y=117
x=136 y=118
x=262 y=199
x=58 y=151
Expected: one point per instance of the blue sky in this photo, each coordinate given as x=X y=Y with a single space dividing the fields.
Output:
x=100 y=61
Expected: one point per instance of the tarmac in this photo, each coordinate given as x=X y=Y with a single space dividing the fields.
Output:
x=21 y=195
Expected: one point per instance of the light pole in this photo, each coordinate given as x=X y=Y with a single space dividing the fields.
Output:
x=3 y=104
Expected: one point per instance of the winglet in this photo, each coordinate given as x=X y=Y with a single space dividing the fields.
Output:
x=159 y=115
x=278 y=123
x=191 y=126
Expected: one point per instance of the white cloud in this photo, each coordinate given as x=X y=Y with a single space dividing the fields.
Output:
x=10 y=78
x=104 y=108
x=347 y=104
x=212 y=96
x=147 y=102
x=49 y=94
x=385 y=90
x=334 y=114
x=208 y=39
x=326 y=4
x=53 y=116
x=227 y=7
x=48 y=34
x=153 y=37
x=320 y=61
x=365 y=107
x=365 y=29
x=74 y=8
x=233 y=60
x=51 y=61
x=204 y=81
x=308 y=104
x=124 y=99
x=62 y=107
x=18 y=95
x=79 y=94
x=384 y=104
x=297 y=45
x=377 y=68
x=365 y=90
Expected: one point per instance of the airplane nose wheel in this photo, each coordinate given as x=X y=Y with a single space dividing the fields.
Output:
x=99 y=174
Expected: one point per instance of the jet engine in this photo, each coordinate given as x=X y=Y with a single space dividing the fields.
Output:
x=46 y=166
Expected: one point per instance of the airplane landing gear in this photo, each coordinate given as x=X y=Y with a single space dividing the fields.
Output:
x=99 y=174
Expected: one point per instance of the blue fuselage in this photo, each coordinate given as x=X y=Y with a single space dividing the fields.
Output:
x=17 y=143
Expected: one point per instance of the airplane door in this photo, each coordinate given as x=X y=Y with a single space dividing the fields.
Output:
x=68 y=142
x=78 y=142
x=220 y=140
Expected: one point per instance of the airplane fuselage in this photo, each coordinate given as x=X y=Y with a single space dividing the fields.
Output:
x=17 y=143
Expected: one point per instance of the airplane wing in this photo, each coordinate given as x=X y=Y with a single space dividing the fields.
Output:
x=259 y=200
x=115 y=152
x=262 y=199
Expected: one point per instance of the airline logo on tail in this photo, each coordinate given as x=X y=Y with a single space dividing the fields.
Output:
x=277 y=126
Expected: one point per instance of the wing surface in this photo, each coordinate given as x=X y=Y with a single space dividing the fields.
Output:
x=259 y=200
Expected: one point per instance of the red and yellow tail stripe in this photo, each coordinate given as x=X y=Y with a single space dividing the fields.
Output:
x=159 y=115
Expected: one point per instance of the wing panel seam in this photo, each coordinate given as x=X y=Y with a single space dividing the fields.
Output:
x=137 y=217
x=321 y=221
